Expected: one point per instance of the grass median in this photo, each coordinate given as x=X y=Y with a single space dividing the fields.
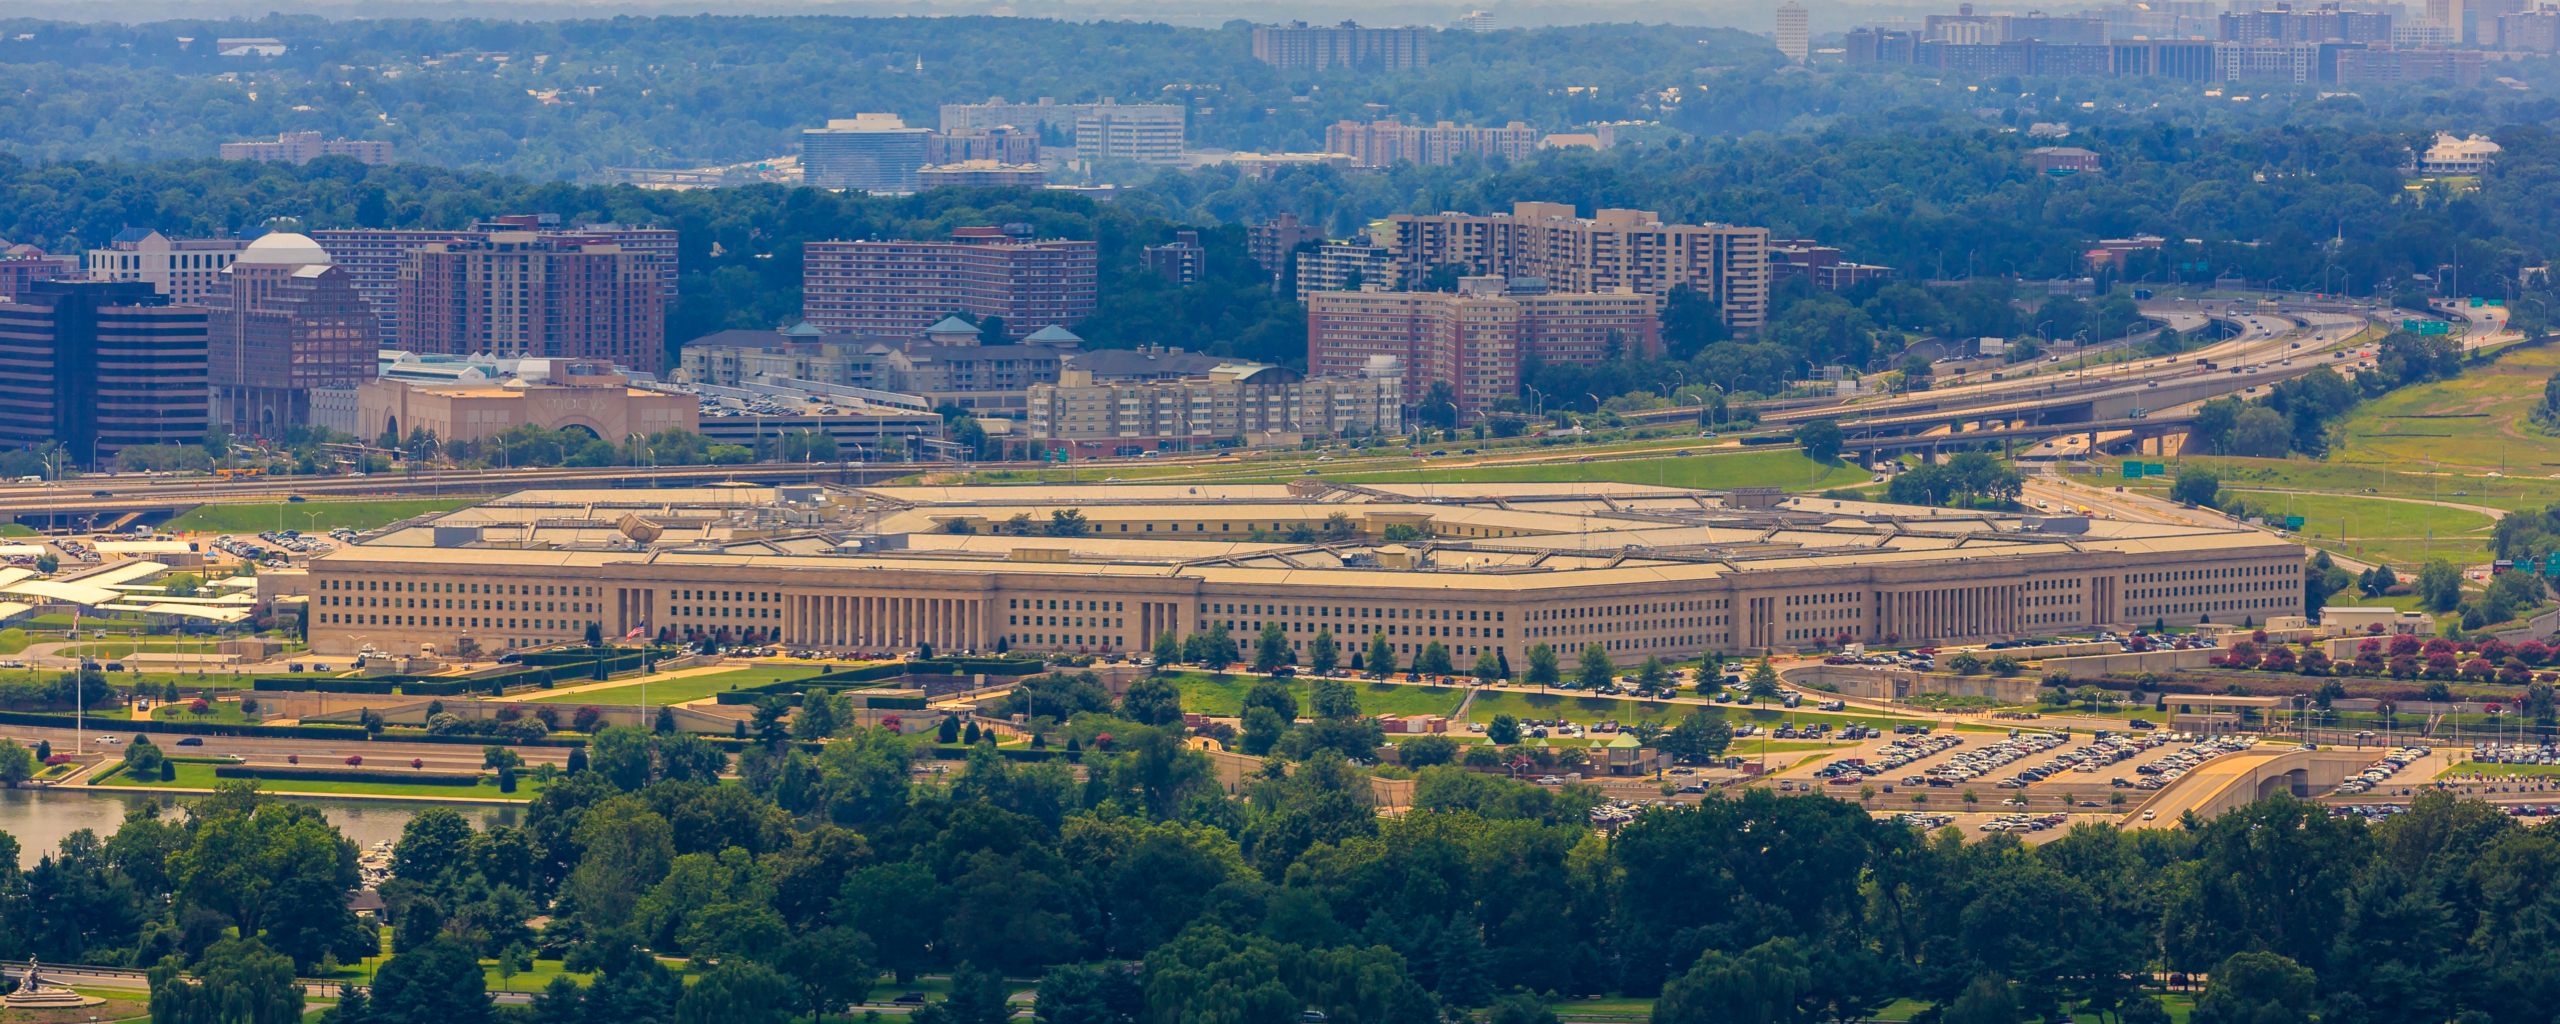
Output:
x=200 y=776
x=310 y=516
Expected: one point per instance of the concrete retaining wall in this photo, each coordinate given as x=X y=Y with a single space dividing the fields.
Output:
x=2147 y=661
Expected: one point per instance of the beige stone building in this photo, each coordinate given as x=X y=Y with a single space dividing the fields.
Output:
x=1637 y=570
x=587 y=397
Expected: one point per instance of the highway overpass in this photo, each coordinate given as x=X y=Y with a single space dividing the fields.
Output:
x=2237 y=780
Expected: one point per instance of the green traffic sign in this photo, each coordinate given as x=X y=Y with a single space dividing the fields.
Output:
x=2132 y=470
x=2154 y=469
x=2293 y=522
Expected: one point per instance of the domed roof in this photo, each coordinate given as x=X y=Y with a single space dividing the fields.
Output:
x=282 y=249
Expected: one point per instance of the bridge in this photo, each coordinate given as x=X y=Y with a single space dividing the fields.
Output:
x=2236 y=780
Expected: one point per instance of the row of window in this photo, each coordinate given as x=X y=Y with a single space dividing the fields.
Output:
x=1353 y=612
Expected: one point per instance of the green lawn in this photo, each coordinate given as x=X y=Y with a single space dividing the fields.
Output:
x=1563 y=705
x=120 y=648
x=200 y=776
x=312 y=516
x=19 y=530
x=2503 y=770
x=1223 y=696
x=690 y=688
x=2402 y=531
x=223 y=712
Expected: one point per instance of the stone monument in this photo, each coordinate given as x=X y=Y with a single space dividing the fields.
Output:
x=34 y=994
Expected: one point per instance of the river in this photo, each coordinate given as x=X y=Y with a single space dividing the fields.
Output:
x=39 y=818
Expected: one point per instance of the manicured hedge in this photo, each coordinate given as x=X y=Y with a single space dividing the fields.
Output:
x=345 y=733
x=405 y=778
x=322 y=684
x=442 y=687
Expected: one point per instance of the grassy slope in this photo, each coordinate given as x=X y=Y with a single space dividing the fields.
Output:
x=1223 y=696
x=678 y=691
x=200 y=776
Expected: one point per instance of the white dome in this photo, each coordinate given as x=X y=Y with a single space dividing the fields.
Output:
x=282 y=249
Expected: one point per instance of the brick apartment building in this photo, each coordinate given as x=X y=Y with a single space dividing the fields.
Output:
x=519 y=294
x=901 y=287
x=304 y=147
x=372 y=256
x=1615 y=249
x=1299 y=45
x=1478 y=338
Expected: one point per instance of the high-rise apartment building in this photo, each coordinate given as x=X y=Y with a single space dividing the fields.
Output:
x=1346 y=267
x=1478 y=338
x=2327 y=24
x=1146 y=135
x=304 y=147
x=1270 y=243
x=902 y=287
x=1614 y=249
x=1793 y=38
x=516 y=294
x=372 y=256
x=1297 y=45
x=100 y=366
x=1179 y=261
x=286 y=323
x=184 y=269
x=2536 y=31
x=1386 y=143
x=864 y=153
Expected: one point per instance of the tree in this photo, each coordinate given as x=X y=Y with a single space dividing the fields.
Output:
x=1701 y=736
x=831 y=968
x=1067 y=522
x=1987 y=1000
x=1271 y=650
x=1820 y=438
x=279 y=871
x=1503 y=731
x=1762 y=684
x=17 y=764
x=737 y=992
x=1597 y=670
x=1488 y=669
x=237 y=981
x=2440 y=585
x=1152 y=701
x=1434 y=660
x=2256 y=988
x=1323 y=655
x=1542 y=666
x=1167 y=650
x=438 y=982
x=1765 y=984
x=1382 y=655
x=1217 y=648
x=2197 y=486
x=1333 y=699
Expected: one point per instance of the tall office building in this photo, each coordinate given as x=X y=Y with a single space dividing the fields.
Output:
x=516 y=294
x=1614 y=249
x=1147 y=133
x=1479 y=338
x=1297 y=45
x=866 y=153
x=100 y=366
x=372 y=256
x=1794 y=39
x=184 y=269
x=1004 y=144
x=286 y=323
x=902 y=287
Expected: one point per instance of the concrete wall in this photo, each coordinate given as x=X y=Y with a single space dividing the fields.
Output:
x=2097 y=665
x=1879 y=683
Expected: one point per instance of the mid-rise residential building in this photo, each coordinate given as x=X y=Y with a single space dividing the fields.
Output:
x=2065 y=159
x=864 y=153
x=1297 y=45
x=285 y=323
x=1475 y=21
x=1004 y=144
x=981 y=174
x=1255 y=401
x=23 y=265
x=1386 y=143
x=101 y=366
x=2327 y=24
x=1179 y=261
x=1967 y=28
x=2377 y=63
x=304 y=147
x=187 y=270
x=1269 y=243
x=900 y=287
x=1819 y=264
x=1792 y=37
x=1614 y=249
x=1479 y=338
x=518 y=294
x=1346 y=267
x=372 y=256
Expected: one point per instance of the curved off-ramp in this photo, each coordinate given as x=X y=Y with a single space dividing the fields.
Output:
x=2237 y=780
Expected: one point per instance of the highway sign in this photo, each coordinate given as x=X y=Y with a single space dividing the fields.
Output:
x=2293 y=522
x=2154 y=469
